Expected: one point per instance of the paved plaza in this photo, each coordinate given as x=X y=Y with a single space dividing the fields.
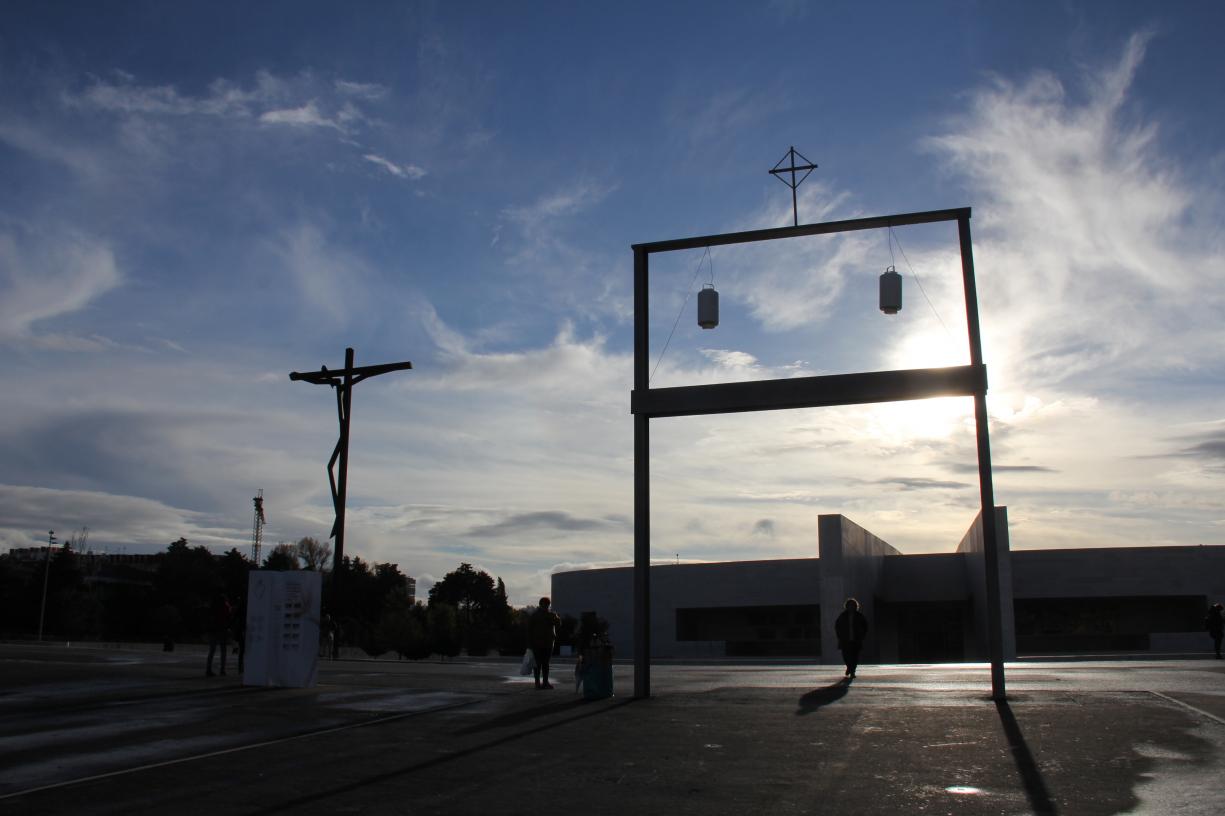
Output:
x=88 y=730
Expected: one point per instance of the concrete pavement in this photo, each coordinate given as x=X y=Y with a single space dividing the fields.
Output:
x=106 y=731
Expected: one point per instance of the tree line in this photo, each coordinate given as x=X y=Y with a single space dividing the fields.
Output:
x=165 y=598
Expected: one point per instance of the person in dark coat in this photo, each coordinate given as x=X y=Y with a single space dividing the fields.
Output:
x=541 y=634
x=851 y=628
x=1214 y=622
x=240 y=629
x=220 y=617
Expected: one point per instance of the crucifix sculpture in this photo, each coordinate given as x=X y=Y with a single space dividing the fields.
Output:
x=343 y=381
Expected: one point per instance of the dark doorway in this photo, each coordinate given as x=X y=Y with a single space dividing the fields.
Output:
x=930 y=632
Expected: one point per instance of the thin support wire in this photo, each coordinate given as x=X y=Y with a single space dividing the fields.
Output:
x=681 y=311
x=913 y=274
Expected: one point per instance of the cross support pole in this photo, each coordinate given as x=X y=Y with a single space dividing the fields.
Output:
x=794 y=183
x=343 y=381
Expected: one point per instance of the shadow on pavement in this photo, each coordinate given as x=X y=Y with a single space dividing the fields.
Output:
x=520 y=717
x=817 y=698
x=316 y=797
x=1031 y=777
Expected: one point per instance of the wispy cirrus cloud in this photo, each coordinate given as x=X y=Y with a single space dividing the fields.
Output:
x=329 y=278
x=538 y=217
x=362 y=90
x=307 y=115
x=792 y=284
x=49 y=274
x=123 y=93
x=265 y=102
x=404 y=171
x=1085 y=227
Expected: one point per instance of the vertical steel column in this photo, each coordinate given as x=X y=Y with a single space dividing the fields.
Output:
x=344 y=401
x=642 y=485
x=991 y=553
x=42 y=610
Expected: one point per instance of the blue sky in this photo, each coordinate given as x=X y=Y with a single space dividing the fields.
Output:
x=202 y=197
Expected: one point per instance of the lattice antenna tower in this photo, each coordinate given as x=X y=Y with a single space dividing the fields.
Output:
x=257 y=527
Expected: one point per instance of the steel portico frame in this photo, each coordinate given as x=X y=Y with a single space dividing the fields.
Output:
x=806 y=392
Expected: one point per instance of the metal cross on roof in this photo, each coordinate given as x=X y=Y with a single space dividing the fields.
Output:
x=794 y=168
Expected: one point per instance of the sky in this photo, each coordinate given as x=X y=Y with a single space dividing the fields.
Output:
x=201 y=197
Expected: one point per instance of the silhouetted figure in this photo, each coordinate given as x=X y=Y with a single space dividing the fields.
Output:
x=541 y=635
x=851 y=628
x=220 y=616
x=593 y=669
x=327 y=636
x=240 y=630
x=1214 y=622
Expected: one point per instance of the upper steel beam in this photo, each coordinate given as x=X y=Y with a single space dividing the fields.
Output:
x=811 y=392
x=850 y=225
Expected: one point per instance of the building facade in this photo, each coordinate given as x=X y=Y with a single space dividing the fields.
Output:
x=922 y=608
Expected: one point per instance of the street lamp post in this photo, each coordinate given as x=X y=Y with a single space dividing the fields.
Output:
x=42 y=610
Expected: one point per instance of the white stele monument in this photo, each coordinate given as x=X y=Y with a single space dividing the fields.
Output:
x=282 y=628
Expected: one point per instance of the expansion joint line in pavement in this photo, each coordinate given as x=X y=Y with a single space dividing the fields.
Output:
x=239 y=748
x=1176 y=701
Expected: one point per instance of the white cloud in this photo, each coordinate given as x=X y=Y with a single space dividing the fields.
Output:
x=725 y=358
x=404 y=171
x=1091 y=278
x=54 y=147
x=1087 y=260
x=307 y=115
x=792 y=284
x=50 y=275
x=300 y=101
x=144 y=524
x=223 y=98
x=703 y=116
x=543 y=242
x=538 y=215
x=329 y=278
x=361 y=90
x=578 y=370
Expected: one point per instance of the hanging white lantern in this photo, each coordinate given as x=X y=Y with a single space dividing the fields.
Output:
x=890 y=291
x=708 y=307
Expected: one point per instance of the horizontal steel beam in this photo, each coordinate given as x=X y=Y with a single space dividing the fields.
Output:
x=811 y=392
x=851 y=225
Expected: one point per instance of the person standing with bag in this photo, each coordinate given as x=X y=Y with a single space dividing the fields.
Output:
x=1214 y=622
x=541 y=635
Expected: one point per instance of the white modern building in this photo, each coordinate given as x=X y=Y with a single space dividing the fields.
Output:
x=922 y=608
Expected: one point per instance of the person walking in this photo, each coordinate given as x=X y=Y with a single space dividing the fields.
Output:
x=1214 y=622
x=541 y=634
x=220 y=614
x=851 y=628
